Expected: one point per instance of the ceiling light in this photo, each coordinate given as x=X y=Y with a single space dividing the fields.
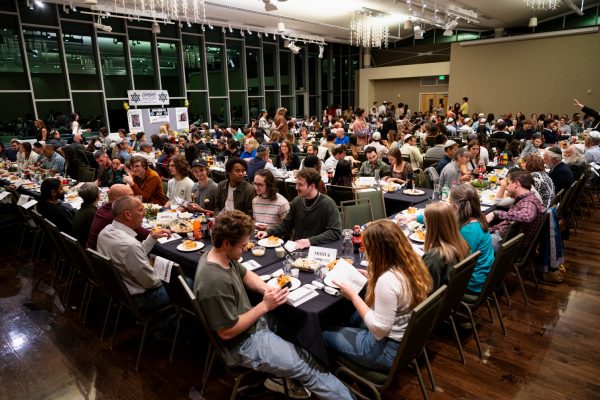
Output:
x=417 y=28
x=321 y=50
x=292 y=46
x=101 y=26
x=249 y=31
x=155 y=27
x=91 y=2
x=532 y=22
x=39 y=4
x=408 y=24
x=452 y=24
x=203 y=28
x=230 y=30
x=210 y=25
x=280 y=27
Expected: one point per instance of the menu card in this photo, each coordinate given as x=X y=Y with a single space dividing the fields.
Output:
x=345 y=273
x=162 y=269
x=323 y=255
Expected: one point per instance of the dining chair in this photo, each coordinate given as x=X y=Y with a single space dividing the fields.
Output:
x=216 y=350
x=218 y=176
x=502 y=263
x=356 y=212
x=377 y=202
x=412 y=346
x=459 y=277
x=282 y=189
x=340 y=193
x=113 y=286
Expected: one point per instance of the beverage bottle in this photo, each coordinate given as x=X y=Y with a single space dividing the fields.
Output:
x=204 y=227
x=356 y=238
x=445 y=191
x=196 y=224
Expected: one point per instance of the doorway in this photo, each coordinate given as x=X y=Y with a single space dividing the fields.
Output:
x=430 y=101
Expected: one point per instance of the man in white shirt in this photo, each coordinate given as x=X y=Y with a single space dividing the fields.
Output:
x=410 y=149
x=337 y=153
x=117 y=241
x=380 y=148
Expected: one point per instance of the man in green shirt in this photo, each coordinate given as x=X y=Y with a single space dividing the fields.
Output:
x=313 y=216
x=220 y=286
x=373 y=164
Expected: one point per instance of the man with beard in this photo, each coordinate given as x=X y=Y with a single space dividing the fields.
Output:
x=49 y=205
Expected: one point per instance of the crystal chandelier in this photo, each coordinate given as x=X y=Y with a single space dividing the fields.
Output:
x=542 y=4
x=369 y=32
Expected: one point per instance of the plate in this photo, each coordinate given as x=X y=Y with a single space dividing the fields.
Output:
x=408 y=211
x=415 y=238
x=198 y=246
x=266 y=243
x=295 y=283
x=182 y=226
x=413 y=192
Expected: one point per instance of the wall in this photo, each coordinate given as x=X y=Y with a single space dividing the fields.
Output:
x=405 y=90
x=532 y=76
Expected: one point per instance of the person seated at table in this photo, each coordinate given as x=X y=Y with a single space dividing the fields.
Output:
x=398 y=281
x=343 y=174
x=250 y=146
x=12 y=152
x=592 y=147
x=573 y=157
x=145 y=150
x=313 y=217
x=381 y=149
x=444 y=246
x=542 y=183
x=82 y=222
x=202 y=190
x=220 y=286
x=268 y=206
x=452 y=174
x=179 y=188
x=52 y=161
x=437 y=151
x=50 y=207
x=373 y=165
x=105 y=171
x=450 y=148
x=337 y=153
x=233 y=193
x=140 y=138
x=410 y=149
x=341 y=137
x=311 y=150
x=476 y=157
x=118 y=167
x=130 y=257
x=122 y=149
x=314 y=162
x=145 y=182
x=474 y=229
x=168 y=151
x=533 y=146
x=26 y=157
x=2 y=150
x=55 y=140
x=287 y=159
x=400 y=170
x=230 y=150
x=560 y=173
x=261 y=161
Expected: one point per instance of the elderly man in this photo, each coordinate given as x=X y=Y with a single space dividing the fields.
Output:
x=104 y=215
x=592 y=147
x=409 y=148
x=52 y=161
x=117 y=241
x=373 y=165
x=451 y=173
x=450 y=148
x=82 y=223
x=261 y=161
x=145 y=182
x=560 y=173
x=313 y=216
x=340 y=137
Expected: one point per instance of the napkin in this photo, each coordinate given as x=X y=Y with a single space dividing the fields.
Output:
x=174 y=236
x=301 y=296
x=251 y=265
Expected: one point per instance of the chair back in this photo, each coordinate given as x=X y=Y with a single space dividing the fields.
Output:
x=566 y=202
x=291 y=191
x=282 y=188
x=218 y=176
x=556 y=198
x=499 y=144
x=176 y=292
x=406 y=157
x=340 y=193
x=511 y=232
x=112 y=283
x=362 y=156
x=162 y=170
x=431 y=177
x=79 y=258
x=460 y=274
x=54 y=233
x=429 y=162
x=356 y=212
x=377 y=203
x=420 y=325
x=533 y=241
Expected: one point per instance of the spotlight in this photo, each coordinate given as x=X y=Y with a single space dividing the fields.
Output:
x=321 y=50
x=155 y=27
x=230 y=30
x=280 y=27
x=408 y=24
x=210 y=25
x=39 y=4
x=189 y=24
x=249 y=31
x=532 y=22
x=101 y=26
x=292 y=46
x=203 y=28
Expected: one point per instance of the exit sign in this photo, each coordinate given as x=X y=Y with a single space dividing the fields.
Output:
x=442 y=77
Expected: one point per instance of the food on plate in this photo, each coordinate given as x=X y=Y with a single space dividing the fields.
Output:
x=273 y=240
x=331 y=264
x=411 y=210
x=189 y=244
x=284 y=281
x=249 y=246
x=305 y=264
x=72 y=196
x=420 y=234
x=181 y=226
x=390 y=187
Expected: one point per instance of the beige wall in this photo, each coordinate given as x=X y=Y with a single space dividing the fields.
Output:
x=532 y=76
x=404 y=90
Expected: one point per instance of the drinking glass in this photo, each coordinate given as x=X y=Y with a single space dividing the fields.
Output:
x=287 y=267
x=320 y=273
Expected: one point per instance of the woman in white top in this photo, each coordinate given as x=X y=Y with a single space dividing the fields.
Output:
x=397 y=282
x=180 y=186
x=75 y=128
x=26 y=157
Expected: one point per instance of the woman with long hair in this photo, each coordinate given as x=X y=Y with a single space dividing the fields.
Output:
x=542 y=183
x=343 y=174
x=476 y=156
x=400 y=168
x=41 y=132
x=397 y=282
x=444 y=247
x=26 y=157
x=474 y=229
x=286 y=157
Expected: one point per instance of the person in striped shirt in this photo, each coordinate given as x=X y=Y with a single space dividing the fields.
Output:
x=268 y=207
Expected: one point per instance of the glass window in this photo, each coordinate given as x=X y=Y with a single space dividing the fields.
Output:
x=194 y=65
x=16 y=108
x=324 y=101
x=288 y=103
x=142 y=59
x=313 y=69
x=81 y=57
x=252 y=39
x=353 y=67
x=272 y=102
x=170 y=68
x=299 y=106
x=45 y=64
x=218 y=111
x=253 y=74
x=12 y=72
x=70 y=14
x=213 y=35
x=285 y=72
x=197 y=107
x=336 y=72
x=168 y=31
x=114 y=66
x=325 y=71
x=270 y=66
x=299 y=68
x=215 y=69
x=117 y=24
x=32 y=13
x=90 y=108
x=46 y=109
x=255 y=104
x=117 y=116
x=7 y=5
x=345 y=73
x=314 y=106
x=235 y=67
x=237 y=103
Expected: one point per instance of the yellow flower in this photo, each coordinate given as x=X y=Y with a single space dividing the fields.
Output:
x=186 y=103
x=126 y=105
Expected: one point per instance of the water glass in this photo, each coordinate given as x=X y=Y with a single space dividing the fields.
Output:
x=287 y=267
x=320 y=273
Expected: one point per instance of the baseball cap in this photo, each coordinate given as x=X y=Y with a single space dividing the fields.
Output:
x=449 y=143
x=199 y=162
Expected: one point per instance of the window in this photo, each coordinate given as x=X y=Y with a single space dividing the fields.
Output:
x=81 y=58
x=272 y=102
x=285 y=72
x=45 y=63
x=299 y=67
x=270 y=66
x=12 y=72
x=235 y=66
x=253 y=74
x=237 y=104
x=114 y=66
x=16 y=108
x=194 y=62
x=254 y=105
x=218 y=111
x=142 y=59
x=90 y=108
x=170 y=68
x=215 y=68
x=197 y=107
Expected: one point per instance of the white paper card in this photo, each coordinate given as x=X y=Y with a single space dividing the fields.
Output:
x=174 y=236
x=323 y=255
x=29 y=204
x=162 y=269
x=366 y=180
x=251 y=265
x=503 y=173
x=301 y=296
x=277 y=273
x=345 y=273
x=290 y=246
x=22 y=199
x=3 y=195
x=364 y=263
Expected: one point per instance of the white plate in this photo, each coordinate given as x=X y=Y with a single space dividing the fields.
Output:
x=295 y=283
x=199 y=245
x=265 y=243
x=413 y=192
x=415 y=238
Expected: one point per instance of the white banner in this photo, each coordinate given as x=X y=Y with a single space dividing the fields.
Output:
x=148 y=97
x=181 y=113
x=134 y=118
x=158 y=115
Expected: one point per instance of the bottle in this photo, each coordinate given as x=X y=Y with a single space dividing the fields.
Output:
x=504 y=159
x=356 y=238
x=445 y=191
x=196 y=224
x=204 y=227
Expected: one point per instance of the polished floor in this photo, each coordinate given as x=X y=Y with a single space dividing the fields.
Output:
x=551 y=351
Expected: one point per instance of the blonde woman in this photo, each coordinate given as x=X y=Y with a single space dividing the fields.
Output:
x=397 y=282
x=444 y=246
x=250 y=146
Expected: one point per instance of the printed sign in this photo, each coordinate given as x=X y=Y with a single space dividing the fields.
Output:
x=148 y=97
x=181 y=114
x=134 y=119
x=323 y=255
x=159 y=115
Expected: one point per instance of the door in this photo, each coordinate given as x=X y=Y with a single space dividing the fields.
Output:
x=429 y=101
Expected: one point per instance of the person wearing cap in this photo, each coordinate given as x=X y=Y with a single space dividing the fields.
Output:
x=145 y=182
x=381 y=149
x=592 y=147
x=450 y=148
x=560 y=173
x=409 y=148
x=382 y=108
x=451 y=174
x=373 y=164
x=467 y=128
x=450 y=126
x=202 y=190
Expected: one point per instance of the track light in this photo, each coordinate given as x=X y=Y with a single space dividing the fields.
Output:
x=249 y=31
x=408 y=24
x=532 y=22
x=155 y=27
x=230 y=30
x=210 y=25
x=39 y=3
x=448 y=32
x=101 y=26
x=321 y=50
x=203 y=28
x=292 y=46
x=241 y=32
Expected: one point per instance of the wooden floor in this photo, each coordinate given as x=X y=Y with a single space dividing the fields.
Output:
x=551 y=351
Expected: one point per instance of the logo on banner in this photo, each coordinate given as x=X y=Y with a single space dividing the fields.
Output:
x=148 y=97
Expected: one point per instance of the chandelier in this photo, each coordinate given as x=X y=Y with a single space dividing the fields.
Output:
x=542 y=4
x=368 y=31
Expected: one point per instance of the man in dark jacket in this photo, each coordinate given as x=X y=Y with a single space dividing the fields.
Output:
x=560 y=173
x=234 y=192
